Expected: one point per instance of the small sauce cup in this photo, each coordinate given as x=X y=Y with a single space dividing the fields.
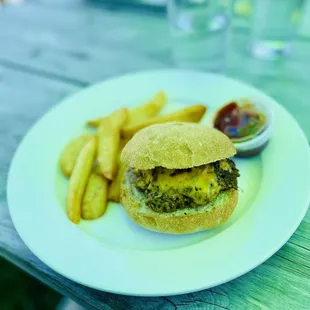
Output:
x=253 y=143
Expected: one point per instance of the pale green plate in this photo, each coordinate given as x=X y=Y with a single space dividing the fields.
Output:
x=115 y=255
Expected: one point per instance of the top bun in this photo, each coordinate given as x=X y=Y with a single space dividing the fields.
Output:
x=176 y=145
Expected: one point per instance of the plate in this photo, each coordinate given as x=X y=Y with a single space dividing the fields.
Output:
x=115 y=255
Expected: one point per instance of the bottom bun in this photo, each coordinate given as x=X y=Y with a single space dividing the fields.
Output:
x=183 y=221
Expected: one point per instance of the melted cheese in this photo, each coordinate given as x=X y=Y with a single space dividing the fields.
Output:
x=198 y=183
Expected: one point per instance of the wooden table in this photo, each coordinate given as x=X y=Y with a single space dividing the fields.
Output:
x=49 y=51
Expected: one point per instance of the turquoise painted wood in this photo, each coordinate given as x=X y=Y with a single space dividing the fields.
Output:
x=49 y=51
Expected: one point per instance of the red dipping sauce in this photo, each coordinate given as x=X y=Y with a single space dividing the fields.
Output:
x=239 y=121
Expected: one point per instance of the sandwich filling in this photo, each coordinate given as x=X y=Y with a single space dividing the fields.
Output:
x=169 y=190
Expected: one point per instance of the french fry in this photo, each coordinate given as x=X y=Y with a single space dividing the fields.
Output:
x=109 y=139
x=119 y=117
x=95 y=198
x=115 y=186
x=71 y=152
x=139 y=113
x=96 y=168
x=78 y=180
x=96 y=122
x=147 y=110
x=189 y=114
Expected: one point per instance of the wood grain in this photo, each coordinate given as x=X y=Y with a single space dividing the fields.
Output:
x=88 y=55
x=48 y=52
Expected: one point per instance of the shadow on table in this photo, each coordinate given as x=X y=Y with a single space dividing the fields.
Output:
x=22 y=292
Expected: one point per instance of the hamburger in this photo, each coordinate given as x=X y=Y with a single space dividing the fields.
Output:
x=179 y=178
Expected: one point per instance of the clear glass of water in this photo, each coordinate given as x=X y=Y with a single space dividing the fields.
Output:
x=274 y=26
x=199 y=32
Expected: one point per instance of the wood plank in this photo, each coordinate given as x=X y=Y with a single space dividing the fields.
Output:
x=302 y=237
x=83 y=65
x=106 y=44
x=23 y=99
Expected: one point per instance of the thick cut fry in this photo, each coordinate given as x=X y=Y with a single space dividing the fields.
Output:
x=95 y=198
x=78 y=180
x=71 y=153
x=95 y=122
x=190 y=114
x=96 y=168
x=115 y=186
x=119 y=117
x=115 y=115
x=147 y=110
x=141 y=112
x=109 y=139
x=122 y=143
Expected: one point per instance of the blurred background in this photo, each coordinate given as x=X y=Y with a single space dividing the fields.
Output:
x=201 y=36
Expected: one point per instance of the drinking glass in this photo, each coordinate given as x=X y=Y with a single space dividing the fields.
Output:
x=199 y=32
x=274 y=26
